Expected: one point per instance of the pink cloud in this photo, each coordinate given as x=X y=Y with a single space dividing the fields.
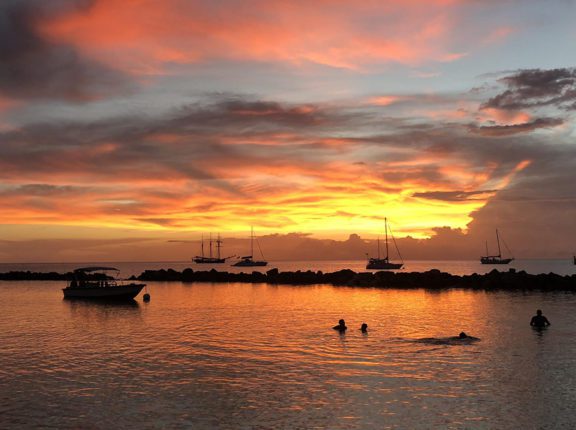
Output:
x=384 y=100
x=503 y=116
x=142 y=35
x=498 y=35
x=6 y=104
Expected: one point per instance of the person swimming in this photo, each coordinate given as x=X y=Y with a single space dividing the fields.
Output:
x=464 y=336
x=364 y=328
x=461 y=339
x=341 y=327
x=539 y=320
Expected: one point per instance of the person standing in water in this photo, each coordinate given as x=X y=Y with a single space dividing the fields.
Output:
x=539 y=320
x=364 y=328
x=341 y=327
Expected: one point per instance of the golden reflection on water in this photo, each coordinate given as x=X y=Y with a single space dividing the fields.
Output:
x=245 y=356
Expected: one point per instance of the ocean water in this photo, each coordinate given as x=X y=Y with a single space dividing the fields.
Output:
x=561 y=267
x=244 y=356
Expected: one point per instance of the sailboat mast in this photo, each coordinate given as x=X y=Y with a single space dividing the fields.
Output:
x=386 y=227
x=218 y=245
x=378 y=242
x=498 y=240
x=487 y=248
x=210 y=245
x=252 y=241
x=202 y=245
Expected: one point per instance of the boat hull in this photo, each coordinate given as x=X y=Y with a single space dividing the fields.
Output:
x=494 y=260
x=117 y=292
x=375 y=264
x=208 y=260
x=250 y=264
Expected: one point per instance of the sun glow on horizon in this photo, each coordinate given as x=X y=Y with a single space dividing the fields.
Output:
x=324 y=207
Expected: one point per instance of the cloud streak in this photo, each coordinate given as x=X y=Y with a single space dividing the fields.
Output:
x=334 y=34
x=507 y=130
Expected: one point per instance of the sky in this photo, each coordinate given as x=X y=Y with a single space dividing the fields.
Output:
x=129 y=129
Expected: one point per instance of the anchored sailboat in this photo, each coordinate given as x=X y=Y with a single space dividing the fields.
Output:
x=211 y=259
x=496 y=259
x=384 y=263
x=248 y=261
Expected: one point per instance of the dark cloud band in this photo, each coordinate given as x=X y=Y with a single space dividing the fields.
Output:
x=33 y=67
x=536 y=88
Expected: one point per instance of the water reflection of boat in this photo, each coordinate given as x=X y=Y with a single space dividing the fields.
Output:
x=81 y=303
x=95 y=283
x=202 y=259
x=496 y=259
x=248 y=260
x=384 y=263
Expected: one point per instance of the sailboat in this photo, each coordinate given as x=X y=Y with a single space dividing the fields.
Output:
x=248 y=261
x=202 y=259
x=384 y=263
x=495 y=259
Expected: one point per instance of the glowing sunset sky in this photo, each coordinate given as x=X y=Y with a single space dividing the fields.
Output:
x=164 y=119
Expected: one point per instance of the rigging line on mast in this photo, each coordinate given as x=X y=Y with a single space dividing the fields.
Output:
x=259 y=249
x=396 y=245
x=506 y=246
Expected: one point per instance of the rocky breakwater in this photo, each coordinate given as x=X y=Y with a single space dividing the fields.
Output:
x=432 y=279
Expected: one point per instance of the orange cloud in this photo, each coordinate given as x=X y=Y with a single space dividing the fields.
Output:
x=282 y=196
x=6 y=104
x=503 y=116
x=143 y=35
x=235 y=162
x=384 y=100
x=504 y=182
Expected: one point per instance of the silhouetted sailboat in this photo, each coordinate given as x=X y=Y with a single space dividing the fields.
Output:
x=384 y=263
x=248 y=261
x=218 y=259
x=496 y=259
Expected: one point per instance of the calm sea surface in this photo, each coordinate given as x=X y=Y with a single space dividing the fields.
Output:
x=243 y=356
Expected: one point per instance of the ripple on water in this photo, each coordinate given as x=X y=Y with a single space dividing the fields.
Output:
x=243 y=356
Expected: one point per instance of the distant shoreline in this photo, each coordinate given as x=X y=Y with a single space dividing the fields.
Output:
x=429 y=280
